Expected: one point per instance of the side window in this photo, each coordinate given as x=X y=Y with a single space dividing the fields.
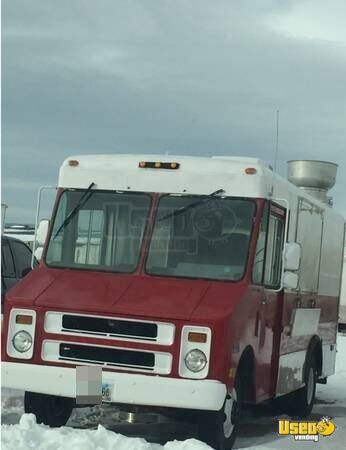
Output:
x=22 y=257
x=7 y=265
x=257 y=274
x=275 y=242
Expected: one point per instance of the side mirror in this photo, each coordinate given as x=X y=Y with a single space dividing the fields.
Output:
x=290 y=280
x=38 y=253
x=42 y=232
x=293 y=252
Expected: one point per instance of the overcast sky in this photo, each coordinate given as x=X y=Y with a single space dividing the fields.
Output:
x=183 y=76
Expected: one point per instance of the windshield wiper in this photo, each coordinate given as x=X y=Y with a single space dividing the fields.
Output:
x=84 y=198
x=192 y=205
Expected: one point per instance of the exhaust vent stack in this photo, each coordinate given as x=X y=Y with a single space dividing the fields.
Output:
x=314 y=177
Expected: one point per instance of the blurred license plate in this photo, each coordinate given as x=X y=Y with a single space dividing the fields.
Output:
x=107 y=392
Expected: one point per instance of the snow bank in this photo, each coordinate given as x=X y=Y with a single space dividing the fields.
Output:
x=29 y=435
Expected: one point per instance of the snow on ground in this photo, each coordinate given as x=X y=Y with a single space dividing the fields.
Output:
x=259 y=431
x=28 y=435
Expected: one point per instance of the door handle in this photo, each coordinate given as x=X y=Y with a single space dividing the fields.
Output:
x=264 y=301
x=257 y=323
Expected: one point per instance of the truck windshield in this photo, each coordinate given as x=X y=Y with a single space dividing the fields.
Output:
x=210 y=240
x=104 y=231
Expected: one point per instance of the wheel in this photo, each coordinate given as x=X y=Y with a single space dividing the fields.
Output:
x=49 y=409
x=221 y=430
x=302 y=401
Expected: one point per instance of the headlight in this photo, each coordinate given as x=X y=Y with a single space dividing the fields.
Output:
x=195 y=360
x=22 y=341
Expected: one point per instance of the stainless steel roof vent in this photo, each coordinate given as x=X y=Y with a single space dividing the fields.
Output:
x=314 y=177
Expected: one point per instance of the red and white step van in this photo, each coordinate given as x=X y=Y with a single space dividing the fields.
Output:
x=192 y=283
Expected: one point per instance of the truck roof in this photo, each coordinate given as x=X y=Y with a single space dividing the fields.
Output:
x=200 y=175
x=195 y=175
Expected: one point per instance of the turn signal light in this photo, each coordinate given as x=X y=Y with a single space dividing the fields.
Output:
x=250 y=171
x=200 y=338
x=73 y=163
x=24 y=319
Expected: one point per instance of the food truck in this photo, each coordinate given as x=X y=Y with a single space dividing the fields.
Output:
x=187 y=284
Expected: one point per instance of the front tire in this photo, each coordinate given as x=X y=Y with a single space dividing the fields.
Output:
x=49 y=409
x=221 y=430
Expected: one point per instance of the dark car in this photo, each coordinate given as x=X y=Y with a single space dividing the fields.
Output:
x=15 y=263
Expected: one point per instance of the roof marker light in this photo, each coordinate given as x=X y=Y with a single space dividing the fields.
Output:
x=73 y=163
x=158 y=165
x=250 y=171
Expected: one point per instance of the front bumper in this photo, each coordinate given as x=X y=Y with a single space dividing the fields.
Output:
x=144 y=390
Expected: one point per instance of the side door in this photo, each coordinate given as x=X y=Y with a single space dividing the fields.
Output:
x=267 y=273
x=303 y=314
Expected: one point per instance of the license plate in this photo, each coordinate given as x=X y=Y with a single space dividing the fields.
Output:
x=107 y=392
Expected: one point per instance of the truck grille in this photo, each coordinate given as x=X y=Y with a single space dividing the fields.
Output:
x=110 y=356
x=74 y=324
x=118 y=358
x=111 y=327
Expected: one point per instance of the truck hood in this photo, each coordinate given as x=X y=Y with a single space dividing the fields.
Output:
x=106 y=293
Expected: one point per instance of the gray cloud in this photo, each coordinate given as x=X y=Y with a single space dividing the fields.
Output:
x=194 y=77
